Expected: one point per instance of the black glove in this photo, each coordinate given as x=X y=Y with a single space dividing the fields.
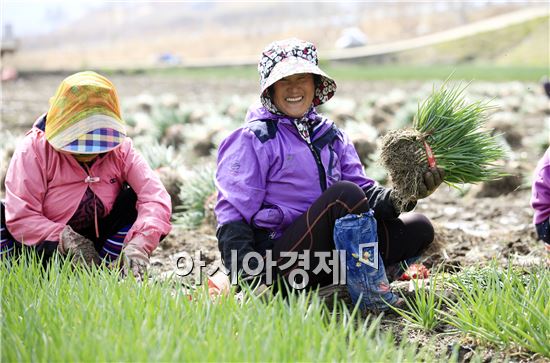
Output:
x=430 y=181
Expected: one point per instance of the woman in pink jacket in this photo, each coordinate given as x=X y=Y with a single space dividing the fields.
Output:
x=76 y=185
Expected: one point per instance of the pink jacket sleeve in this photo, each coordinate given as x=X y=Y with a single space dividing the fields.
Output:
x=153 y=205
x=25 y=190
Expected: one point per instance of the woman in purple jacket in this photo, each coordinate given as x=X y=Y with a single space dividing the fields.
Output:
x=540 y=201
x=289 y=174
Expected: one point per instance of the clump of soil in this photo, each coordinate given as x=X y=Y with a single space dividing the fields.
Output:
x=496 y=188
x=450 y=246
x=401 y=156
x=209 y=215
x=364 y=148
x=172 y=181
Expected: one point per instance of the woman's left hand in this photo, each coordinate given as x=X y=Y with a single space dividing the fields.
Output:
x=134 y=259
x=430 y=181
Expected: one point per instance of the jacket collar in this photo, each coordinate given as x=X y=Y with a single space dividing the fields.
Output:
x=40 y=122
x=257 y=112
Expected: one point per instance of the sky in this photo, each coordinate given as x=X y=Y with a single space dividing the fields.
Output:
x=32 y=17
x=38 y=17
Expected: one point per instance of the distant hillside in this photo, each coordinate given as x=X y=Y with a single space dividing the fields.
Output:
x=122 y=35
x=526 y=44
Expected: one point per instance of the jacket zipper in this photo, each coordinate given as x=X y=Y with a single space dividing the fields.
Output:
x=318 y=162
x=320 y=167
x=331 y=160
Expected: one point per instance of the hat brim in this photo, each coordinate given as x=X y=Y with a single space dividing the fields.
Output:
x=95 y=142
x=94 y=135
x=292 y=65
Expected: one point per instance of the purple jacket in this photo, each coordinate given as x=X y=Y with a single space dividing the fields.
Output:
x=268 y=175
x=540 y=197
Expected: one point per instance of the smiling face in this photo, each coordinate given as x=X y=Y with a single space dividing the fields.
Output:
x=293 y=95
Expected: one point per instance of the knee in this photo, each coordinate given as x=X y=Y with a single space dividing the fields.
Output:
x=420 y=227
x=348 y=192
x=425 y=229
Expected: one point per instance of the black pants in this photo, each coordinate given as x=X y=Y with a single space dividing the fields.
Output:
x=123 y=213
x=398 y=239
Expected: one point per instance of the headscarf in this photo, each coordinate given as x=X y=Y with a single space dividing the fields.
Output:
x=84 y=115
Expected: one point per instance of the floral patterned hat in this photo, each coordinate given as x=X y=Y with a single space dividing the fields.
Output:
x=284 y=58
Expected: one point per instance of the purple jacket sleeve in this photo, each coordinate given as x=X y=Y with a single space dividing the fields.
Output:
x=240 y=180
x=240 y=177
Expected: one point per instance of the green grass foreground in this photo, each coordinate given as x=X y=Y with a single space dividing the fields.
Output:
x=507 y=308
x=78 y=315
x=65 y=315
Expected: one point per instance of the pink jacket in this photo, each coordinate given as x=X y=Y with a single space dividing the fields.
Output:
x=44 y=188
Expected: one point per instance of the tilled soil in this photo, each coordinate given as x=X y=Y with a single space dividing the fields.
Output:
x=485 y=222
x=473 y=226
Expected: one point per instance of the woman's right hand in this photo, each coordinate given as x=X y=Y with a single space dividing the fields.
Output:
x=430 y=181
x=81 y=249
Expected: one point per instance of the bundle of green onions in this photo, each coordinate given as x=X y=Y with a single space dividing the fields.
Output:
x=447 y=133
